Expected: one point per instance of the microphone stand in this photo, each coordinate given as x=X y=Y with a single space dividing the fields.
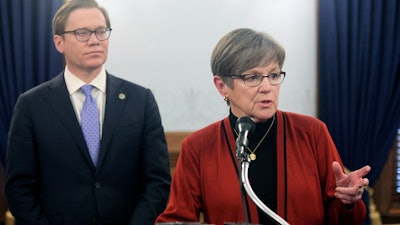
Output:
x=239 y=153
x=244 y=160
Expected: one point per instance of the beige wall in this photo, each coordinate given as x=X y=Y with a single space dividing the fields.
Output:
x=166 y=45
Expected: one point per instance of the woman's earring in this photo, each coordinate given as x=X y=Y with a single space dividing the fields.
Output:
x=225 y=98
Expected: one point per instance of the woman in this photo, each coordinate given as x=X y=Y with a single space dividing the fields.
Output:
x=295 y=168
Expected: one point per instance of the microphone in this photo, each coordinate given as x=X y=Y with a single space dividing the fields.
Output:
x=245 y=126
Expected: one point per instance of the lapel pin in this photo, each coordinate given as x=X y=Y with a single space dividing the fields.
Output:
x=121 y=96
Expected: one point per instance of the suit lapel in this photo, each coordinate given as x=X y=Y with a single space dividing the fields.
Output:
x=59 y=100
x=115 y=100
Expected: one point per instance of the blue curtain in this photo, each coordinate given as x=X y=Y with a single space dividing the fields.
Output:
x=27 y=53
x=359 y=78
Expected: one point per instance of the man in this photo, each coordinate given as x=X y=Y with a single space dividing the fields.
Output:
x=52 y=175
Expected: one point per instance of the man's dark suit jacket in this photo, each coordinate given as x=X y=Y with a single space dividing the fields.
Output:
x=50 y=176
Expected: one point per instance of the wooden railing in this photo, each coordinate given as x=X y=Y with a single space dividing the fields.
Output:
x=174 y=141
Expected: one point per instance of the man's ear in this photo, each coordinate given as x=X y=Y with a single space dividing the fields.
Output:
x=59 y=43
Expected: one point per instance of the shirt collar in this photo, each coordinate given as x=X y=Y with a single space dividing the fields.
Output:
x=74 y=83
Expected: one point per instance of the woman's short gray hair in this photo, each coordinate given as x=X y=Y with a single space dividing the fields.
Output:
x=243 y=49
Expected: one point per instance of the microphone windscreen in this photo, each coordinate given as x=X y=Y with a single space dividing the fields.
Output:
x=245 y=123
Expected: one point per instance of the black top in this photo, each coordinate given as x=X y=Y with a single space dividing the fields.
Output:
x=263 y=171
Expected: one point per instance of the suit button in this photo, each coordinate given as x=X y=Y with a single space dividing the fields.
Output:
x=97 y=185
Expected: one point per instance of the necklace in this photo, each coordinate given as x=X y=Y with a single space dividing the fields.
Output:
x=252 y=152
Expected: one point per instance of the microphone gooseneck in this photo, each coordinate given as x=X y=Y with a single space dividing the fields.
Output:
x=254 y=197
x=246 y=126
